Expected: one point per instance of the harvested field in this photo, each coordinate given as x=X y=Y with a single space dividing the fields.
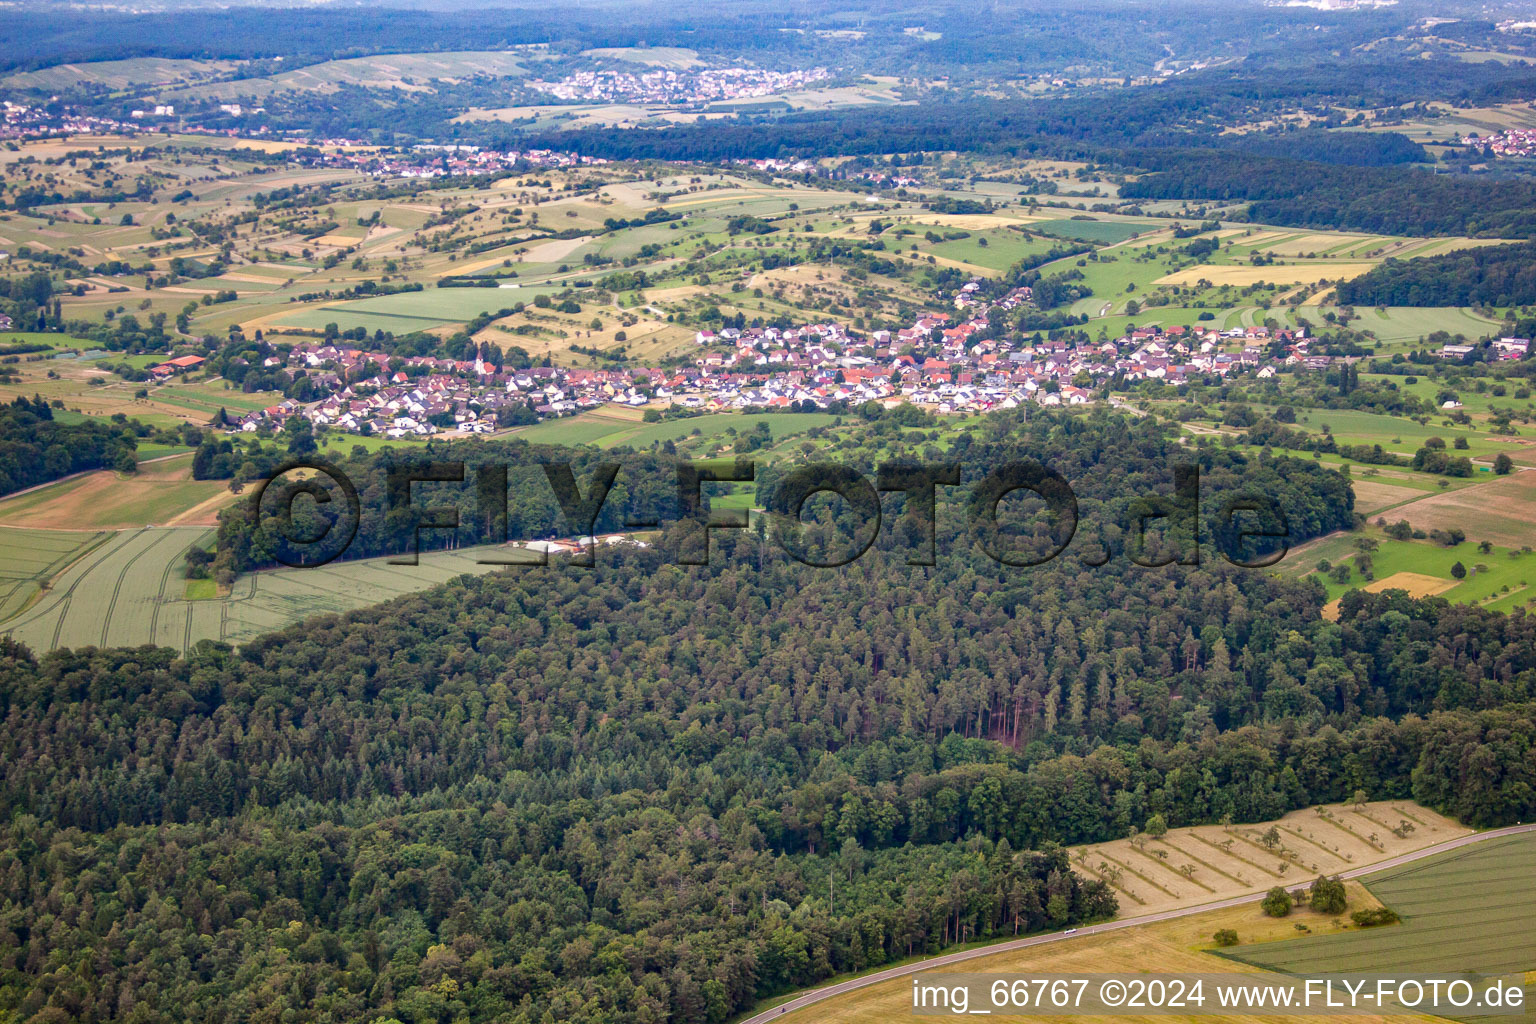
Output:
x=1190 y=866
x=1306 y=273
x=1502 y=511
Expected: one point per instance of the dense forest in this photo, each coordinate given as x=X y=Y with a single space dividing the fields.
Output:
x=1495 y=275
x=35 y=448
x=1301 y=193
x=645 y=791
x=1111 y=463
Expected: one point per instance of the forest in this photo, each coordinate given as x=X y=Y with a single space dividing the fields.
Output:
x=645 y=790
x=35 y=448
x=1303 y=193
x=1496 y=275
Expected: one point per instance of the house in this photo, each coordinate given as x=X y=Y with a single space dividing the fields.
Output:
x=180 y=364
x=1512 y=348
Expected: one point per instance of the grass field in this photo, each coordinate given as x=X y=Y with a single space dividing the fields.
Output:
x=161 y=493
x=608 y=429
x=1398 y=324
x=1003 y=249
x=1499 y=579
x=1102 y=232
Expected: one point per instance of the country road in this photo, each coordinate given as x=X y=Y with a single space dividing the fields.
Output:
x=818 y=994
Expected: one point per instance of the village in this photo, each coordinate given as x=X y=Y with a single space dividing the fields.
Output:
x=1510 y=142
x=664 y=85
x=942 y=363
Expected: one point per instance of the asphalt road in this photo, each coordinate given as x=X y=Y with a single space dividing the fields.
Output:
x=816 y=995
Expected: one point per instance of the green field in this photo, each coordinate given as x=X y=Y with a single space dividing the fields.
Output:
x=1102 y=232
x=413 y=311
x=124 y=592
x=1466 y=910
x=1402 y=324
x=1503 y=584
x=610 y=432
x=1003 y=249
x=29 y=557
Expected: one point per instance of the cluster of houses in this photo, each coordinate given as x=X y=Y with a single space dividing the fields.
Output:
x=1507 y=348
x=434 y=161
x=665 y=85
x=19 y=121
x=943 y=362
x=884 y=179
x=1510 y=142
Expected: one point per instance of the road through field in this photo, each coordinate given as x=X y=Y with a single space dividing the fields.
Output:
x=819 y=994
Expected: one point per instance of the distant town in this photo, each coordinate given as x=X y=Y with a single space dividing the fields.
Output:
x=679 y=87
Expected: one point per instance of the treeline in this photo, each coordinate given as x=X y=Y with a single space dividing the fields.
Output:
x=1355 y=149
x=1114 y=126
x=1385 y=200
x=1495 y=275
x=1112 y=463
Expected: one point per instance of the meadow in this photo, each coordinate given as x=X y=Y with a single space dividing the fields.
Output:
x=1002 y=249
x=606 y=429
x=160 y=493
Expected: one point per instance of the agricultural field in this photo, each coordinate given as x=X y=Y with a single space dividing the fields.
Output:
x=28 y=558
x=407 y=71
x=126 y=591
x=1498 y=511
x=152 y=72
x=1465 y=910
x=161 y=493
x=127 y=588
x=1183 y=945
x=1190 y=866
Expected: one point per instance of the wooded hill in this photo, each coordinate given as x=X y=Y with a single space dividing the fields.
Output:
x=649 y=791
x=1496 y=275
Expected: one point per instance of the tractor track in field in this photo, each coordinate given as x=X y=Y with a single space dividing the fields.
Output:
x=117 y=587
